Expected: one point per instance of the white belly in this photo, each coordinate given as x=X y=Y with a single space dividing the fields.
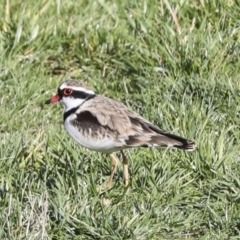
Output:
x=104 y=144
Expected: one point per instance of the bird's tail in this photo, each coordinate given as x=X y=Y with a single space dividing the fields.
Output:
x=152 y=136
x=176 y=141
x=164 y=138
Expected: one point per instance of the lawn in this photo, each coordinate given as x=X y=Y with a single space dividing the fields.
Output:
x=174 y=62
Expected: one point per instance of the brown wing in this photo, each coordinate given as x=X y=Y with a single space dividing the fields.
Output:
x=152 y=136
x=109 y=113
x=129 y=127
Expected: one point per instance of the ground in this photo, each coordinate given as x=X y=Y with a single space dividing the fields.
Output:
x=174 y=62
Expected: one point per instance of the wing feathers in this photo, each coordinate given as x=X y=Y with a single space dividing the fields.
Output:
x=130 y=128
x=152 y=136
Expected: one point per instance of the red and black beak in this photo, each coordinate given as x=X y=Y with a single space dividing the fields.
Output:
x=53 y=99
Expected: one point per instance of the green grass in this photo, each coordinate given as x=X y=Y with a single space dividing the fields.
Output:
x=174 y=62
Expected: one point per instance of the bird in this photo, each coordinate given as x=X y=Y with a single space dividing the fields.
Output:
x=105 y=125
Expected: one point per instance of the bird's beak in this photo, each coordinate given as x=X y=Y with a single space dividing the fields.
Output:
x=53 y=99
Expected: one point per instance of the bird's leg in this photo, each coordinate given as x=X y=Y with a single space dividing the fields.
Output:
x=125 y=169
x=114 y=167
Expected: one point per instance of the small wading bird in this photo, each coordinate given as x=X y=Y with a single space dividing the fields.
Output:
x=105 y=125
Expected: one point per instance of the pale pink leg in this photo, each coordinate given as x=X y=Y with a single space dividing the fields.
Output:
x=125 y=169
x=114 y=167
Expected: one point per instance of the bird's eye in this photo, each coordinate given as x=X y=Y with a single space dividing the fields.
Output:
x=67 y=91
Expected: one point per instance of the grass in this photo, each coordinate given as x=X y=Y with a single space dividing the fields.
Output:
x=174 y=62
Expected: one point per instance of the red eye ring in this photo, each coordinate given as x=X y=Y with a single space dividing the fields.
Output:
x=67 y=91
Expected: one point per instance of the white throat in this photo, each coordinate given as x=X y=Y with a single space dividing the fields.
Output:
x=70 y=102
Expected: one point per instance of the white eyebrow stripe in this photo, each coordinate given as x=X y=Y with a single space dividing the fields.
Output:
x=80 y=89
